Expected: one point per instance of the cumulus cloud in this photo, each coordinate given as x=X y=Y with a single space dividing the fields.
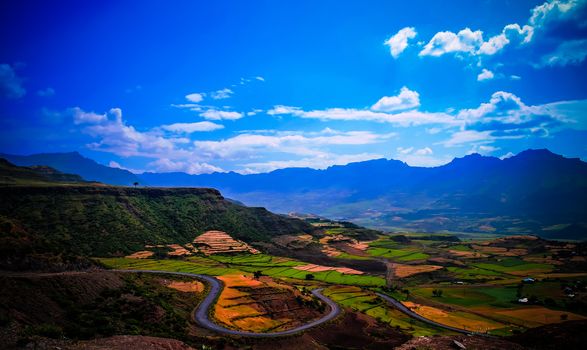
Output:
x=485 y=75
x=558 y=11
x=472 y=43
x=572 y=52
x=291 y=143
x=557 y=21
x=215 y=114
x=115 y=136
x=189 y=128
x=398 y=110
x=321 y=161
x=10 y=82
x=506 y=116
x=441 y=43
x=420 y=157
x=221 y=94
x=82 y=117
x=399 y=42
x=424 y=151
x=468 y=136
x=195 y=97
x=407 y=99
x=507 y=155
x=409 y=118
x=510 y=33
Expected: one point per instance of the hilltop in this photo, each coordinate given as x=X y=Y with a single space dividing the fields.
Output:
x=40 y=216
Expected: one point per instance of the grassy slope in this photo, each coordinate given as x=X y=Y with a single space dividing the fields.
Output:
x=104 y=220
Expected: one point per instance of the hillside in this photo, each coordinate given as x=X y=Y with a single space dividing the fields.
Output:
x=75 y=163
x=41 y=216
x=11 y=174
x=108 y=220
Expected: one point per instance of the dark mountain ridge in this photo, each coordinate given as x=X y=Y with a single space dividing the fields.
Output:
x=525 y=193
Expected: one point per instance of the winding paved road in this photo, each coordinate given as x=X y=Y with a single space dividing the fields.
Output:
x=201 y=313
x=401 y=307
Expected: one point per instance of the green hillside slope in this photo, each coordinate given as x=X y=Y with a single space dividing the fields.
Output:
x=104 y=220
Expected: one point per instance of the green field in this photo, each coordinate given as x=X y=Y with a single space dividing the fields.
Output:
x=221 y=265
x=370 y=304
x=473 y=296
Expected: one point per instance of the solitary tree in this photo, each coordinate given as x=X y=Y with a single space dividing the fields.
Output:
x=437 y=292
x=135 y=184
x=257 y=274
x=309 y=276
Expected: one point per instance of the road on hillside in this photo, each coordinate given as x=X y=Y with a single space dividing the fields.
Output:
x=401 y=307
x=202 y=313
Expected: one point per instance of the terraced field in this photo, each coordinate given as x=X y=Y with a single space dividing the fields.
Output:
x=474 y=286
x=367 y=302
x=262 y=305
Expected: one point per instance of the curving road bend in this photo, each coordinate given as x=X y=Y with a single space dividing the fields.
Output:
x=401 y=307
x=201 y=313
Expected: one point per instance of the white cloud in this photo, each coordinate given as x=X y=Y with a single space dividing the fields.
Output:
x=194 y=168
x=399 y=42
x=321 y=161
x=402 y=150
x=511 y=32
x=10 y=83
x=192 y=127
x=221 y=94
x=195 y=97
x=555 y=11
x=114 y=136
x=505 y=116
x=507 y=155
x=468 y=136
x=215 y=114
x=466 y=40
x=409 y=118
x=254 y=112
x=472 y=42
x=483 y=149
x=117 y=165
x=82 y=117
x=420 y=157
x=407 y=99
x=485 y=75
x=515 y=77
x=260 y=78
x=553 y=21
x=285 y=142
x=571 y=52
x=424 y=151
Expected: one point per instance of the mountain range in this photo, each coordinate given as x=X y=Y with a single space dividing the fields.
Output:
x=535 y=191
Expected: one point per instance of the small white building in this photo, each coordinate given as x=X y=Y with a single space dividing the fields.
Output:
x=523 y=300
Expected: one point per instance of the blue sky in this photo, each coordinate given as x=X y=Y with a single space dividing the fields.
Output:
x=202 y=86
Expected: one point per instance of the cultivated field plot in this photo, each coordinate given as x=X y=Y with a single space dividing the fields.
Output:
x=267 y=265
x=262 y=305
x=367 y=302
x=386 y=248
x=481 y=282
